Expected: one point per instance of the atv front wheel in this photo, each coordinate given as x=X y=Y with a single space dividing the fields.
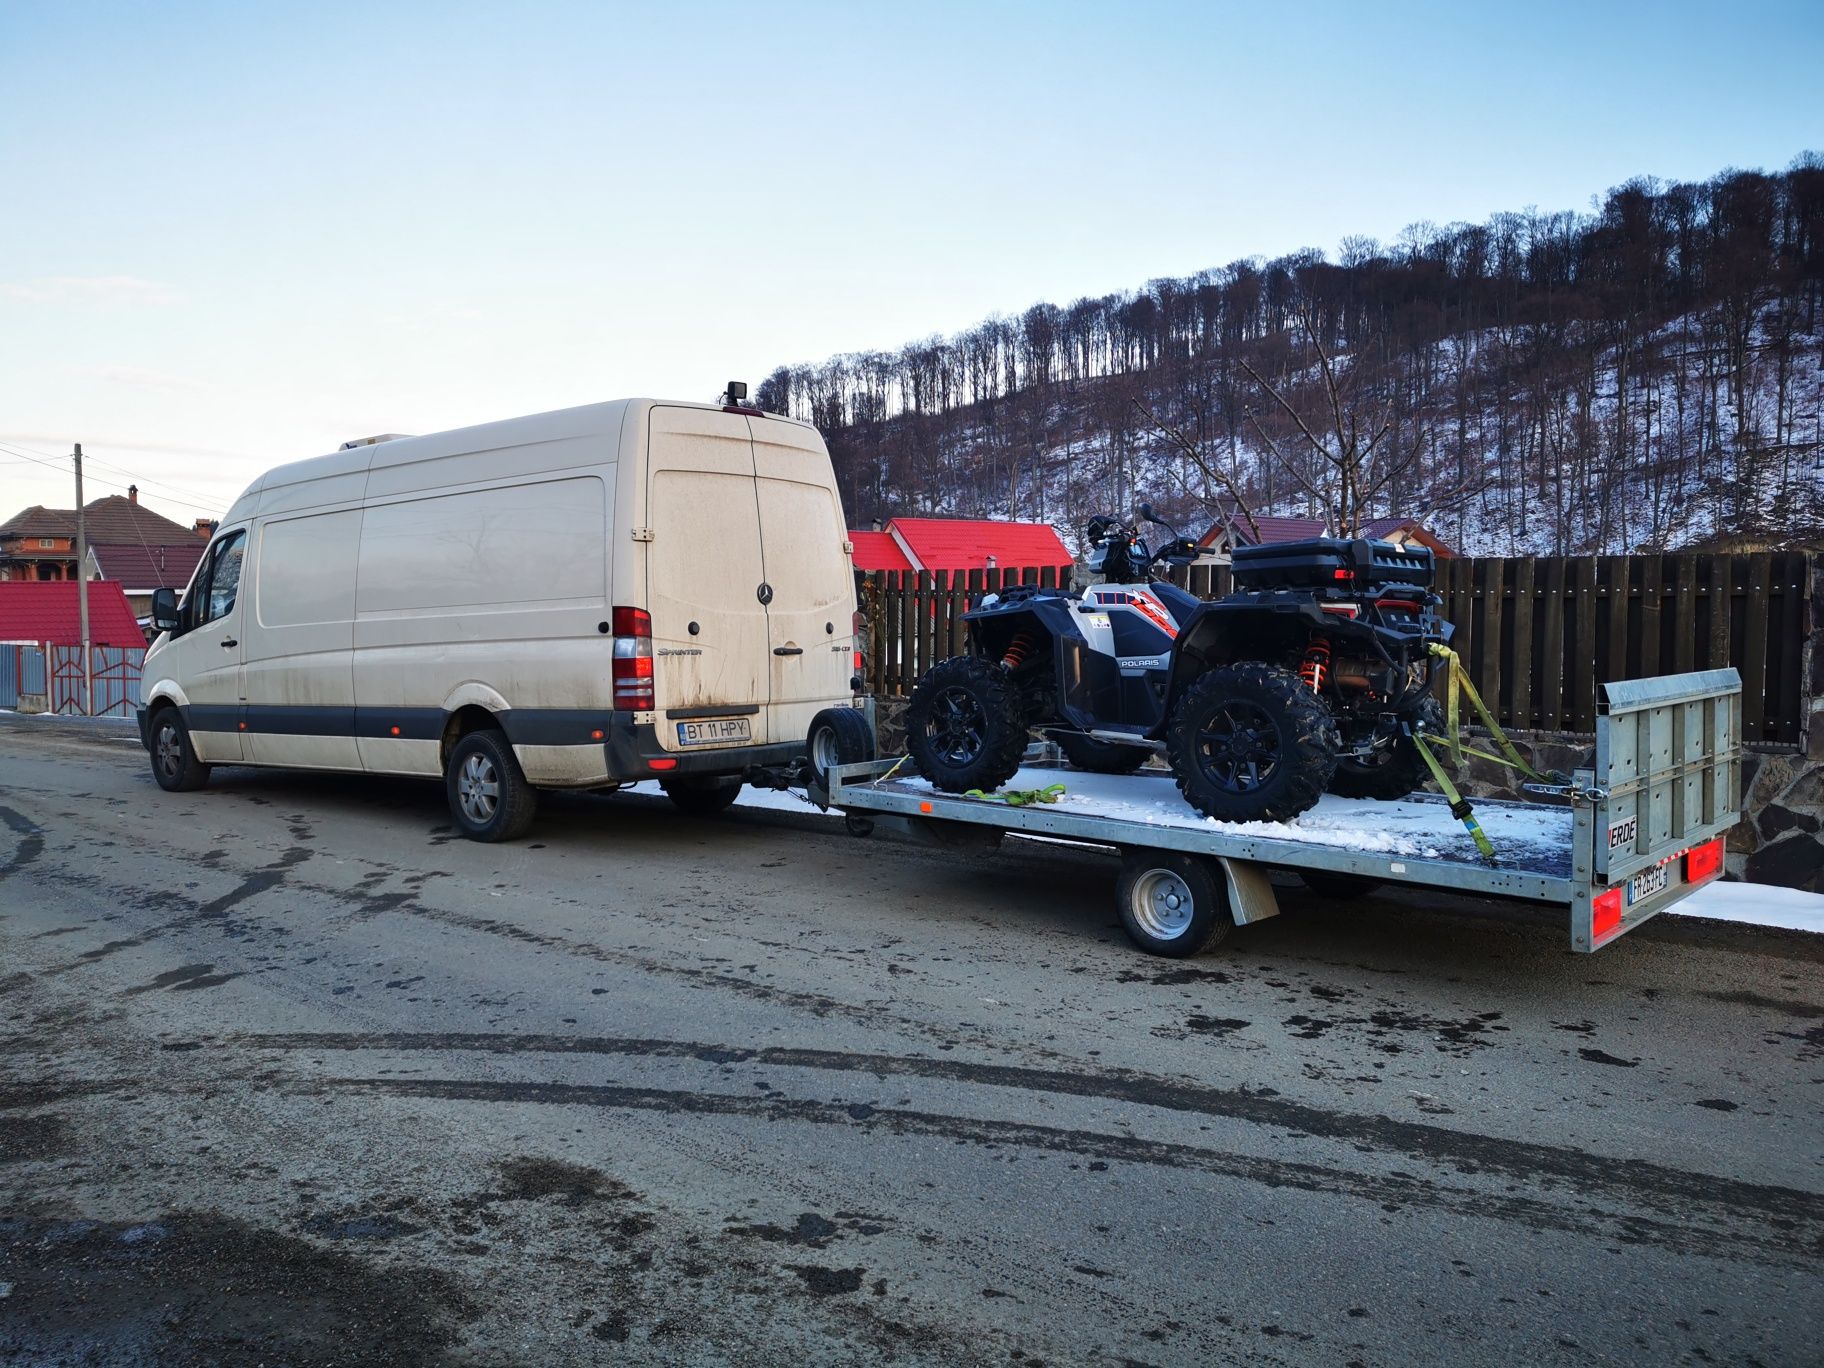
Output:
x=1397 y=769
x=1101 y=757
x=964 y=725
x=1251 y=743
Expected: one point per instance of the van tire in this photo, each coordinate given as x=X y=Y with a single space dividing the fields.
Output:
x=175 y=767
x=838 y=736
x=966 y=725
x=702 y=797
x=490 y=799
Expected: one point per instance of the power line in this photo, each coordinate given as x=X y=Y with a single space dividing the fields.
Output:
x=109 y=484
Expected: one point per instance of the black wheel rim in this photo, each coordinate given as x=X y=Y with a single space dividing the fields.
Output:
x=1238 y=746
x=957 y=726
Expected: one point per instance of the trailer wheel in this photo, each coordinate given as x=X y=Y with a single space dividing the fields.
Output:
x=1172 y=904
x=1327 y=883
x=858 y=825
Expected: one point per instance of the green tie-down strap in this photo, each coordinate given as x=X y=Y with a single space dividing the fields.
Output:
x=1458 y=684
x=1020 y=797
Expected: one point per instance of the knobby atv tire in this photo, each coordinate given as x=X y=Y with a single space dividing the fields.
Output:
x=1396 y=771
x=997 y=714
x=1304 y=732
x=1102 y=757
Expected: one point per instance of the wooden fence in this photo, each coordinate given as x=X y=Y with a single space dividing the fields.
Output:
x=1536 y=633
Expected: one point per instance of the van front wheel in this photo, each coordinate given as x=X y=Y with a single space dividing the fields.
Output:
x=490 y=799
x=174 y=762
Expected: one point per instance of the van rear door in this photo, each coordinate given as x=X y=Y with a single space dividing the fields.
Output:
x=704 y=574
x=810 y=620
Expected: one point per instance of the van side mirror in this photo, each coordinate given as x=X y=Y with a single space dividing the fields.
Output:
x=164 y=610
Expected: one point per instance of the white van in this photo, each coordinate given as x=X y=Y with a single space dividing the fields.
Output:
x=582 y=599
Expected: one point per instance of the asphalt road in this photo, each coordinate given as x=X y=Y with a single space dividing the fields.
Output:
x=290 y=1075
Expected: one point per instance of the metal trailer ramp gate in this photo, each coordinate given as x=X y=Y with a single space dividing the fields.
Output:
x=1626 y=839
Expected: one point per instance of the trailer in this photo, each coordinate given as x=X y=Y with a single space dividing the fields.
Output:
x=1640 y=830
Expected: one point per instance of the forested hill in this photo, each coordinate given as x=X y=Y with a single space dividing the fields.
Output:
x=1647 y=375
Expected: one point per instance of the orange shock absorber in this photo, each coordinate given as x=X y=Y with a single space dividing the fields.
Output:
x=1316 y=664
x=1017 y=651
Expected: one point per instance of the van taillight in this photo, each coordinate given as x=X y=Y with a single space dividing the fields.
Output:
x=632 y=660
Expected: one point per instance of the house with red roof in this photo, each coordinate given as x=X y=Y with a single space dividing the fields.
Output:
x=960 y=544
x=39 y=543
x=47 y=613
x=140 y=570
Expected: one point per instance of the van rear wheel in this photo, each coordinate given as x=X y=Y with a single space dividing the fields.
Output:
x=490 y=799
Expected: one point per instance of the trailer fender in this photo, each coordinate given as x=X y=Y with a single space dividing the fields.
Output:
x=1251 y=895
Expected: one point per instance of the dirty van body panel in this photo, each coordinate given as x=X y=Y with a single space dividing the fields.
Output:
x=704 y=578
x=811 y=615
x=206 y=659
x=494 y=595
x=298 y=639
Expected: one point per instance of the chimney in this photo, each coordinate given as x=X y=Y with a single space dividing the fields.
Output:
x=205 y=528
x=133 y=494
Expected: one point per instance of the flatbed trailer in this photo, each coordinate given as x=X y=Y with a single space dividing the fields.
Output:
x=1626 y=839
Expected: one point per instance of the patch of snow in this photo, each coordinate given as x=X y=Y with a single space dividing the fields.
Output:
x=1756 y=905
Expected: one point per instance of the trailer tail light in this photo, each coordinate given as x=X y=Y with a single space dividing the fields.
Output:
x=1704 y=861
x=1605 y=914
x=633 y=690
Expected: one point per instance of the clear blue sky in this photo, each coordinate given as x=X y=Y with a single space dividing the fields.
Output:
x=235 y=234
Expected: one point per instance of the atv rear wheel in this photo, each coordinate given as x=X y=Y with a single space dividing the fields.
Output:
x=1101 y=757
x=1394 y=771
x=1251 y=743
x=964 y=725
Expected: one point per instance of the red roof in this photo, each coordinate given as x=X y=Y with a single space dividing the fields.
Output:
x=970 y=544
x=878 y=551
x=149 y=567
x=46 y=612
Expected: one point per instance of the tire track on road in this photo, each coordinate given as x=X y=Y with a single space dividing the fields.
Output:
x=1469 y=1152
x=1726 y=1241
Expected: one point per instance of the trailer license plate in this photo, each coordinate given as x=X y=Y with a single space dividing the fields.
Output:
x=716 y=732
x=1648 y=882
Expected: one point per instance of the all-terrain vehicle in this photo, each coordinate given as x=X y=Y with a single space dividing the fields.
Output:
x=1313 y=675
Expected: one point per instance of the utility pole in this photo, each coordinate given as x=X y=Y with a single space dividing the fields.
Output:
x=82 y=592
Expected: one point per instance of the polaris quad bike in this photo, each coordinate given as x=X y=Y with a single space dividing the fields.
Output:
x=1312 y=675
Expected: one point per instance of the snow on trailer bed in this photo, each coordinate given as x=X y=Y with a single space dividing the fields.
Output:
x=1415 y=838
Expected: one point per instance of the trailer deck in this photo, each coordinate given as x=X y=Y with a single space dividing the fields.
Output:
x=1626 y=839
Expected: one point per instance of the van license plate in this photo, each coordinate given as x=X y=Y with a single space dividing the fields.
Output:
x=715 y=732
x=1648 y=882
